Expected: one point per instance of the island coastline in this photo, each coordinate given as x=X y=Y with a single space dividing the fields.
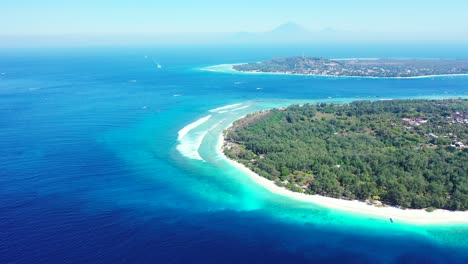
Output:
x=230 y=69
x=412 y=216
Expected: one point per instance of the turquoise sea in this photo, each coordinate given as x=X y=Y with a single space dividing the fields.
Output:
x=108 y=155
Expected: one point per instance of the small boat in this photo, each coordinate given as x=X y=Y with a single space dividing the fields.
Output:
x=391 y=220
x=157 y=64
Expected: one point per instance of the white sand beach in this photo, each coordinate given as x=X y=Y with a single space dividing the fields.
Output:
x=229 y=68
x=414 y=216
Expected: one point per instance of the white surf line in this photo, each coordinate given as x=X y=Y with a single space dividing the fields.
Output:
x=240 y=108
x=191 y=126
x=224 y=108
x=194 y=150
x=189 y=146
x=196 y=146
x=218 y=66
x=217 y=124
x=189 y=143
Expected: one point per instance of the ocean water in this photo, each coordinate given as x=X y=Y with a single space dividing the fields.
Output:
x=106 y=158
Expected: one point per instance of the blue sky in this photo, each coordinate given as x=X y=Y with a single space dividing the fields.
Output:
x=56 y=17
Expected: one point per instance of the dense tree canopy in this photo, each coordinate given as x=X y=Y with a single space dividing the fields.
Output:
x=407 y=153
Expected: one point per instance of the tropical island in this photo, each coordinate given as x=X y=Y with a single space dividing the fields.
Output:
x=377 y=68
x=402 y=153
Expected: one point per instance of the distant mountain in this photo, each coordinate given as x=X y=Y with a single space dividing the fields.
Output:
x=290 y=32
x=284 y=33
x=287 y=33
x=289 y=28
x=329 y=30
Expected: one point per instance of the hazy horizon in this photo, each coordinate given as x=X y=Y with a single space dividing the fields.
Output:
x=53 y=22
x=246 y=37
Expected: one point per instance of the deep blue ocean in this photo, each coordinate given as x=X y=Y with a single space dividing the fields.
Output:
x=96 y=167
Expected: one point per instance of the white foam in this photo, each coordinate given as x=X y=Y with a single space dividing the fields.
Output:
x=224 y=108
x=349 y=59
x=217 y=124
x=191 y=126
x=240 y=108
x=220 y=68
x=188 y=147
x=189 y=143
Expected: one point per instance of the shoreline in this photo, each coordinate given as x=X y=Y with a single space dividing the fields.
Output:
x=412 y=216
x=232 y=70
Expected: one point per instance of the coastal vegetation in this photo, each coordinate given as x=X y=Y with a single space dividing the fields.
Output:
x=358 y=67
x=405 y=153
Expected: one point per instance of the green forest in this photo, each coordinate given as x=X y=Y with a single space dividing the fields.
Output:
x=405 y=153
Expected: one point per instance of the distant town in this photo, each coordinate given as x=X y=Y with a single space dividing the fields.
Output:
x=401 y=68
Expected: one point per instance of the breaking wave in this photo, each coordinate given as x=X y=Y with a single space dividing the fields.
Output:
x=219 y=109
x=191 y=126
